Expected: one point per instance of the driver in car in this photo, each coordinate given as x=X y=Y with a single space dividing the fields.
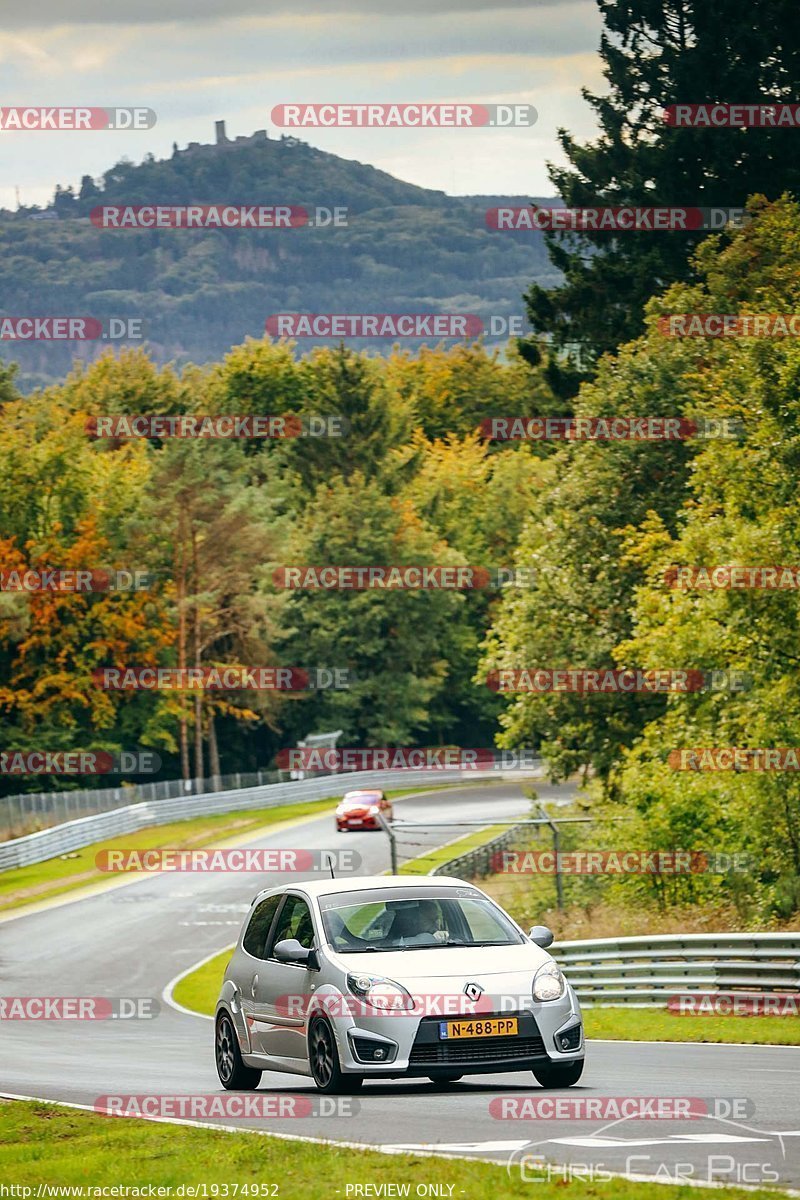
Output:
x=417 y=923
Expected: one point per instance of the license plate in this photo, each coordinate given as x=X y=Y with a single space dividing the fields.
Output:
x=490 y=1027
x=356 y=821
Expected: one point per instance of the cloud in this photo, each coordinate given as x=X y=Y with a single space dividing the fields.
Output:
x=258 y=50
x=48 y=13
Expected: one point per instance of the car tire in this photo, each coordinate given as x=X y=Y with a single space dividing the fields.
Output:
x=445 y=1079
x=557 y=1075
x=323 y=1058
x=233 y=1074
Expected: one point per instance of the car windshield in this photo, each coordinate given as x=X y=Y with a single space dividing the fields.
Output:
x=362 y=801
x=419 y=919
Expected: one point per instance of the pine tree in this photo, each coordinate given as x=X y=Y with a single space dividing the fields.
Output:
x=89 y=189
x=658 y=53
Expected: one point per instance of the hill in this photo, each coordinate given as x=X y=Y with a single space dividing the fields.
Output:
x=199 y=292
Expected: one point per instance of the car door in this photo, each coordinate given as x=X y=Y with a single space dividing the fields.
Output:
x=249 y=964
x=284 y=990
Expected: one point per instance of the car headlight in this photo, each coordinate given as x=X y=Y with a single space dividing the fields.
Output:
x=382 y=994
x=548 y=983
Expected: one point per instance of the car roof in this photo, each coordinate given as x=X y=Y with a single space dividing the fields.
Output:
x=330 y=887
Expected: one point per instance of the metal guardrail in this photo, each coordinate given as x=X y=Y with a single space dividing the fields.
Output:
x=26 y=810
x=642 y=972
x=477 y=863
x=72 y=835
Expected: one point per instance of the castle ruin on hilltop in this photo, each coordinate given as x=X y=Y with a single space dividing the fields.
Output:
x=223 y=142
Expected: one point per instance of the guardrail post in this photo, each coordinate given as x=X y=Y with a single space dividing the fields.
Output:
x=556 y=851
x=387 y=829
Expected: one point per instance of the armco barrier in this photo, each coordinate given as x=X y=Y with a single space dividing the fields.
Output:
x=72 y=835
x=642 y=972
x=38 y=810
x=477 y=862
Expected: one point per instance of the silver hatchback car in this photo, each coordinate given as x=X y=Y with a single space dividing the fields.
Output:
x=392 y=976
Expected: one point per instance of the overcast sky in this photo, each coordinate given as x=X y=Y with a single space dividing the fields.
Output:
x=195 y=61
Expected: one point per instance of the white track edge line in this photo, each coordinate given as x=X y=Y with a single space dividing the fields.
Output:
x=169 y=988
x=387 y=1148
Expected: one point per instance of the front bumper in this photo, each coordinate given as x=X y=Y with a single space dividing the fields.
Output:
x=409 y=1045
x=430 y=1053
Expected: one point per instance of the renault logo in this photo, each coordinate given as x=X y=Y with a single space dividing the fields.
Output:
x=473 y=991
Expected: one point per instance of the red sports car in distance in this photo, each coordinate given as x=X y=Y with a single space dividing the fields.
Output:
x=358 y=810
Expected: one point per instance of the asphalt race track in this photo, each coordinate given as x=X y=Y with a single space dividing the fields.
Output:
x=132 y=940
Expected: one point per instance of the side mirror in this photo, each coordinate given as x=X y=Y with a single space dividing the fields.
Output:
x=540 y=935
x=290 y=951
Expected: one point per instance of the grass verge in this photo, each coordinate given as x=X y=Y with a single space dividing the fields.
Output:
x=655 y=1025
x=43 y=1144
x=425 y=863
x=40 y=881
x=199 y=990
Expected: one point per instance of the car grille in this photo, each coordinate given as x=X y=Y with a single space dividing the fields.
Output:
x=429 y=1050
x=480 y=1050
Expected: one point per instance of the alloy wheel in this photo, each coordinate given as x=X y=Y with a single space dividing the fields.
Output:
x=224 y=1049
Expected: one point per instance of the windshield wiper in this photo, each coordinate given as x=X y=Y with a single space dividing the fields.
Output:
x=416 y=946
x=471 y=944
x=361 y=949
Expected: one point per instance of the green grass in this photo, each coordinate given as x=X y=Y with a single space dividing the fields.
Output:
x=40 y=881
x=199 y=990
x=425 y=863
x=43 y=1144
x=656 y=1025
